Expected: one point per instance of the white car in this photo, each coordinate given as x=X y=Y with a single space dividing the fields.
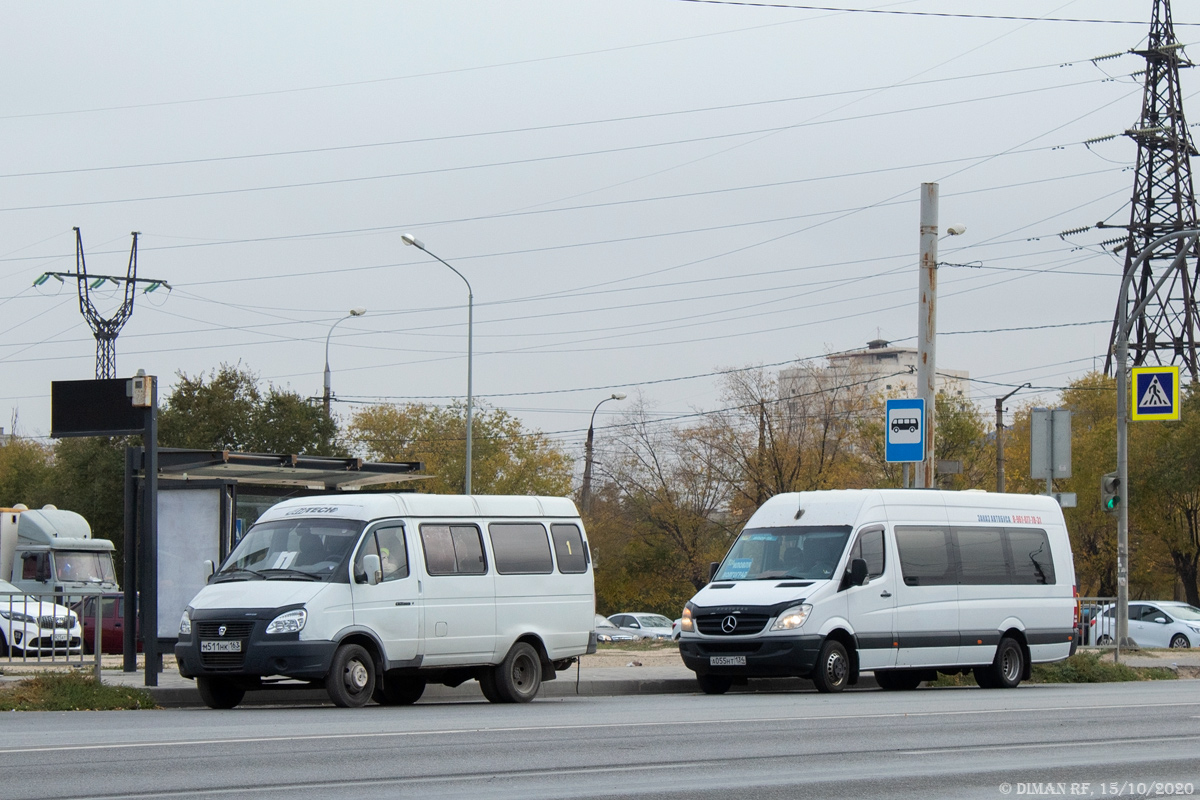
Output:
x=608 y=633
x=643 y=626
x=1157 y=623
x=36 y=628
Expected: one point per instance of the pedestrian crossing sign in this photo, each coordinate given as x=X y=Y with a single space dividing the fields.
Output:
x=1155 y=393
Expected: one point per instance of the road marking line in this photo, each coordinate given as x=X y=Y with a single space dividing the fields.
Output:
x=1036 y=745
x=721 y=721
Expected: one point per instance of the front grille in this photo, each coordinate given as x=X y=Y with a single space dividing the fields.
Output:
x=50 y=622
x=209 y=629
x=747 y=624
x=222 y=660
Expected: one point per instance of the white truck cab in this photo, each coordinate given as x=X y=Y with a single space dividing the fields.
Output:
x=903 y=583
x=376 y=595
x=52 y=550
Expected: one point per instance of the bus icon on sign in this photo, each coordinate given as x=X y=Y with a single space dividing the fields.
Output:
x=909 y=424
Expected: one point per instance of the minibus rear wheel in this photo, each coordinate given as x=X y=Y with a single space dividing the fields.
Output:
x=1006 y=668
x=519 y=675
x=351 y=679
x=219 y=692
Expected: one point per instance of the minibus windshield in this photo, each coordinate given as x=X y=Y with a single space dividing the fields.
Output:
x=808 y=553
x=294 y=549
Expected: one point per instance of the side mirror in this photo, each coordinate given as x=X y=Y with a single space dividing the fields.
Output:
x=374 y=568
x=43 y=568
x=712 y=570
x=858 y=572
x=1161 y=620
x=210 y=569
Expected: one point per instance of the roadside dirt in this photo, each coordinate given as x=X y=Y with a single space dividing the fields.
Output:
x=625 y=656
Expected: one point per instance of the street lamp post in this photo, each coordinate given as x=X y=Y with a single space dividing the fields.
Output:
x=413 y=241
x=585 y=493
x=354 y=312
x=1125 y=320
x=1000 y=435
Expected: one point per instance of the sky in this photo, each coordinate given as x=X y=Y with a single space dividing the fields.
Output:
x=641 y=193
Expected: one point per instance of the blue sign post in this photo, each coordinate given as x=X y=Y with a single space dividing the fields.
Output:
x=905 y=431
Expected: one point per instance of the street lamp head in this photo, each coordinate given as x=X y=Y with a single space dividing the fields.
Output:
x=411 y=240
x=956 y=230
x=357 y=312
x=618 y=396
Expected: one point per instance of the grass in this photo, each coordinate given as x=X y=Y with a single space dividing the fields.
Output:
x=1079 y=668
x=640 y=645
x=70 y=691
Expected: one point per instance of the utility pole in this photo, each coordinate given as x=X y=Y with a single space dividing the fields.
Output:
x=105 y=329
x=926 y=477
x=1163 y=201
x=1000 y=435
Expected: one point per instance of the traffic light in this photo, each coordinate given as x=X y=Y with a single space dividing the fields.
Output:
x=1110 y=485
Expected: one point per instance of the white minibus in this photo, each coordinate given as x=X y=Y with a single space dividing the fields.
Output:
x=376 y=595
x=901 y=583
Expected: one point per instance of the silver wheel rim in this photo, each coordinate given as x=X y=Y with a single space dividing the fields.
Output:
x=356 y=676
x=835 y=668
x=1010 y=664
x=1179 y=642
x=523 y=673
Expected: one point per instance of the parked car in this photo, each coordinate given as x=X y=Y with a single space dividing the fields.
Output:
x=112 y=622
x=607 y=632
x=1157 y=623
x=37 y=628
x=643 y=626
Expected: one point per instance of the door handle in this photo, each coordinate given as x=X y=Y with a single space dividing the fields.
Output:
x=404 y=602
x=885 y=593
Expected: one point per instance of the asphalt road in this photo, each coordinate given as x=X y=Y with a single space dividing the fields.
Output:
x=954 y=743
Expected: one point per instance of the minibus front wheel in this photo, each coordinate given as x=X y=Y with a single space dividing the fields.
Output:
x=832 y=672
x=219 y=692
x=351 y=679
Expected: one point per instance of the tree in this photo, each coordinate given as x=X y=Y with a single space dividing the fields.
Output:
x=506 y=458
x=228 y=411
x=26 y=473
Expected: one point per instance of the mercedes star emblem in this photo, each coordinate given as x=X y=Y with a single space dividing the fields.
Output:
x=729 y=623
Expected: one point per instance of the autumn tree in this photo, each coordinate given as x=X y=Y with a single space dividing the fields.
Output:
x=227 y=410
x=506 y=459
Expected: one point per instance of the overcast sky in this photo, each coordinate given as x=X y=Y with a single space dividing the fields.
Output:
x=641 y=192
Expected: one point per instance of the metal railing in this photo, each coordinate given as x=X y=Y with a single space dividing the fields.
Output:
x=1098 y=622
x=48 y=629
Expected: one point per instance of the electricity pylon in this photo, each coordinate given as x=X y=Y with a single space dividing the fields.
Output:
x=1163 y=201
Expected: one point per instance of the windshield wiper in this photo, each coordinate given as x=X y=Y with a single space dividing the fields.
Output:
x=236 y=574
x=284 y=574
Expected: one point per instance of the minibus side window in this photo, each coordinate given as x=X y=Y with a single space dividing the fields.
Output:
x=453 y=550
x=925 y=556
x=569 y=548
x=869 y=547
x=520 y=548
x=982 y=556
x=1031 y=559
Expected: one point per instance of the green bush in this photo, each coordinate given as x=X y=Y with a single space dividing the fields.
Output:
x=70 y=691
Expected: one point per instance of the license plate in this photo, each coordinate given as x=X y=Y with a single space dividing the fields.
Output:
x=221 y=647
x=61 y=636
x=727 y=661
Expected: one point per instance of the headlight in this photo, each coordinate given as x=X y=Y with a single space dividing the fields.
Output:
x=185 y=624
x=792 y=618
x=17 y=616
x=289 y=622
x=685 y=623
x=603 y=637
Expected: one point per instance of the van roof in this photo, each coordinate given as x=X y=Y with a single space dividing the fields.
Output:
x=374 y=506
x=844 y=505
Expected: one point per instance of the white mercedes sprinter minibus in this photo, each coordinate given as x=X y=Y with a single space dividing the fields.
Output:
x=903 y=583
x=376 y=595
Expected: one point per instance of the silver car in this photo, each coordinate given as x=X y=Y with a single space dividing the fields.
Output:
x=607 y=632
x=1157 y=623
x=642 y=625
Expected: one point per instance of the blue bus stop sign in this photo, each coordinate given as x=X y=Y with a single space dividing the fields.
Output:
x=904 y=431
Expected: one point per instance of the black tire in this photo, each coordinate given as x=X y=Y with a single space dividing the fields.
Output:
x=1006 y=668
x=714 y=684
x=3 y=646
x=897 y=680
x=219 y=692
x=398 y=691
x=487 y=685
x=832 y=670
x=1180 y=641
x=519 y=676
x=1104 y=639
x=351 y=679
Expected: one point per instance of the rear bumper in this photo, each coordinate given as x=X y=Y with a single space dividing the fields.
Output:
x=767 y=657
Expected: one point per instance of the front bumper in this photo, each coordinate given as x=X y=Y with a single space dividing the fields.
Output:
x=766 y=657
x=260 y=655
